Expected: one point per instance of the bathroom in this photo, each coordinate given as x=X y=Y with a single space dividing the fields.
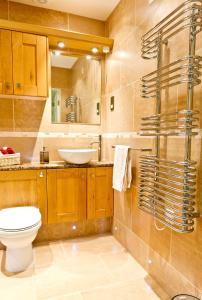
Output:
x=93 y=92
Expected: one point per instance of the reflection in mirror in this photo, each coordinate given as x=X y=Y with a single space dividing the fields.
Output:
x=75 y=89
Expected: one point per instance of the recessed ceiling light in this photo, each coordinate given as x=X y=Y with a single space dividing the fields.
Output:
x=61 y=44
x=94 y=50
x=56 y=52
x=88 y=57
x=105 y=50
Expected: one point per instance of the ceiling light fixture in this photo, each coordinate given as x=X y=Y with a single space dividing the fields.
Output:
x=61 y=44
x=105 y=50
x=94 y=50
x=88 y=57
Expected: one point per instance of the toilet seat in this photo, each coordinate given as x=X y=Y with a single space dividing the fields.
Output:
x=18 y=219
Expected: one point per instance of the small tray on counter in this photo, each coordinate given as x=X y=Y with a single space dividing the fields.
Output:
x=10 y=159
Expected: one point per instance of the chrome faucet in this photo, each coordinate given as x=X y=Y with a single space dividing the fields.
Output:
x=99 y=142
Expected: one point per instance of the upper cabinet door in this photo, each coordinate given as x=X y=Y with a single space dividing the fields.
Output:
x=66 y=195
x=6 y=64
x=100 y=193
x=29 y=64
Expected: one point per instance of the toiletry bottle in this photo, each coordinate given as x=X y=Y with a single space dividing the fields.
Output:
x=44 y=156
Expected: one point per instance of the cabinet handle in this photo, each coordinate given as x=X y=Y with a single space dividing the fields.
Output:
x=41 y=174
x=18 y=85
x=7 y=84
x=93 y=175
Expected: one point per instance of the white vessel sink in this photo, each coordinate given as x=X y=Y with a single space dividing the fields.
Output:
x=76 y=156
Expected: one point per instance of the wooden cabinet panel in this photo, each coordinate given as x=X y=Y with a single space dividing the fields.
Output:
x=29 y=64
x=19 y=188
x=99 y=193
x=66 y=195
x=42 y=77
x=6 y=63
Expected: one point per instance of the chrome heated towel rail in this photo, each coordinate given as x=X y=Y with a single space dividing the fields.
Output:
x=168 y=188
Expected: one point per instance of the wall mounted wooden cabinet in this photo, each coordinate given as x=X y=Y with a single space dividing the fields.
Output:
x=23 y=64
x=29 y=64
x=18 y=188
x=99 y=193
x=66 y=195
x=6 y=62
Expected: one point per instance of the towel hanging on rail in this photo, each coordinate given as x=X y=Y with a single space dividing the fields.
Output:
x=122 y=172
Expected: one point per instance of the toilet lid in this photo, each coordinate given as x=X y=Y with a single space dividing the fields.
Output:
x=19 y=218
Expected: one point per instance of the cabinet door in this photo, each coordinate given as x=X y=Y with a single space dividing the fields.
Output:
x=29 y=64
x=22 y=188
x=6 y=63
x=66 y=195
x=99 y=193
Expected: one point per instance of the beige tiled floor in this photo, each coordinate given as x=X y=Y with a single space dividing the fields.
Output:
x=92 y=268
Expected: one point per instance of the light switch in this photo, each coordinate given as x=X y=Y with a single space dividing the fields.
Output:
x=98 y=109
x=112 y=103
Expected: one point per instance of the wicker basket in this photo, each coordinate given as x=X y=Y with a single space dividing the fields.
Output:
x=10 y=160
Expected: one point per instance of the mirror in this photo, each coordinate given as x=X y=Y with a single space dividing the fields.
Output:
x=75 y=89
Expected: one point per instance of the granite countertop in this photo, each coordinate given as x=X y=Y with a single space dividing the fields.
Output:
x=55 y=165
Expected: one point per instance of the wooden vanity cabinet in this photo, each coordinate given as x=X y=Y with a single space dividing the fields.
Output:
x=66 y=195
x=99 y=193
x=79 y=193
x=24 y=187
x=62 y=195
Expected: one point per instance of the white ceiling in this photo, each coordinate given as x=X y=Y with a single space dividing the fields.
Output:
x=62 y=61
x=96 y=9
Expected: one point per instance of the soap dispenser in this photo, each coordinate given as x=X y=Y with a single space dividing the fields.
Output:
x=44 y=156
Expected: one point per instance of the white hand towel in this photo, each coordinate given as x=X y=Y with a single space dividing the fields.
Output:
x=122 y=172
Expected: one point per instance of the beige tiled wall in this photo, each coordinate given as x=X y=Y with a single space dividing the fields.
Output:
x=174 y=260
x=18 y=12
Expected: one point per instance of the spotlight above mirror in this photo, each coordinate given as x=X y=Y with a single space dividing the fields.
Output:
x=94 y=50
x=61 y=44
x=105 y=50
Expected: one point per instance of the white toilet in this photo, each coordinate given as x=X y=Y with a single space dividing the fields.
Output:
x=18 y=228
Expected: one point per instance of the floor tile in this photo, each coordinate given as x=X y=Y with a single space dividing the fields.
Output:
x=92 y=245
x=17 y=289
x=69 y=297
x=130 y=290
x=122 y=266
x=88 y=268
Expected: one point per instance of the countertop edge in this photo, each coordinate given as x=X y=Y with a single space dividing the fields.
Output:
x=38 y=166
